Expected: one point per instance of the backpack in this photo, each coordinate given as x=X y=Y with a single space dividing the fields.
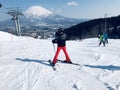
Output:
x=62 y=37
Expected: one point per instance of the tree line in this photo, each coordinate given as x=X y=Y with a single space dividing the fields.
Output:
x=92 y=28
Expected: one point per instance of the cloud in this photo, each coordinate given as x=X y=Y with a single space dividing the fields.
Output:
x=72 y=3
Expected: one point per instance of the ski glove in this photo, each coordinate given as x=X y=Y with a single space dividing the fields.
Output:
x=54 y=41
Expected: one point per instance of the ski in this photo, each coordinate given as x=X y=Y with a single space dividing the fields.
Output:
x=53 y=67
x=69 y=63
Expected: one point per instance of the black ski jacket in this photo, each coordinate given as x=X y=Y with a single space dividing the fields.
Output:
x=60 y=39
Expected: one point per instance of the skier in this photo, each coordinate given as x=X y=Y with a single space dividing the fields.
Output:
x=105 y=35
x=102 y=39
x=60 y=40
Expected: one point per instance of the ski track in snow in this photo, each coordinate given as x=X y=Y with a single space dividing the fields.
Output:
x=24 y=66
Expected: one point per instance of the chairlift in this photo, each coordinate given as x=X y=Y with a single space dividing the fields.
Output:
x=0 y=5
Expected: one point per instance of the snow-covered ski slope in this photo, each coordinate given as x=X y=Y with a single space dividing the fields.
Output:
x=24 y=66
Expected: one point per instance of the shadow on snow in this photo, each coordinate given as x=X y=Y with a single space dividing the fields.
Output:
x=110 y=67
x=31 y=60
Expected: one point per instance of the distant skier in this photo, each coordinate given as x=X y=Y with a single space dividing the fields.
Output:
x=60 y=40
x=105 y=35
x=102 y=39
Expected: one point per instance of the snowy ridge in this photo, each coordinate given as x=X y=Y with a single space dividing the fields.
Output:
x=24 y=65
x=4 y=36
x=37 y=12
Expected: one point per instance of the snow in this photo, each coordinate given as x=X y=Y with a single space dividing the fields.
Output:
x=24 y=65
x=4 y=36
x=37 y=12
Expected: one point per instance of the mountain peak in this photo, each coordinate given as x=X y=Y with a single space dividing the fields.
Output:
x=37 y=12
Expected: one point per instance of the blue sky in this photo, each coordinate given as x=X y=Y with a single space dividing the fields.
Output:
x=70 y=8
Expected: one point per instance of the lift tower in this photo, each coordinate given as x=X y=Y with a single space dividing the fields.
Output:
x=15 y=13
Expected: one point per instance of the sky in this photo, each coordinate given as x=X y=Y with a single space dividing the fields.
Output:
x=87 y=9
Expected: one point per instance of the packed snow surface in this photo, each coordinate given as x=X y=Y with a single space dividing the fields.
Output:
x=24 y=65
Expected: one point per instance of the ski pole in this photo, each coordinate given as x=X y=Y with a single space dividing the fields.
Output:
x=54 y=47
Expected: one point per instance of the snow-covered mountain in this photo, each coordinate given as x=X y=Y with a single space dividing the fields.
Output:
x=37 y=12
x=39 y=16
x=24 y=65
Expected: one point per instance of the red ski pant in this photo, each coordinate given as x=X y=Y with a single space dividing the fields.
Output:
x=57 y=52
